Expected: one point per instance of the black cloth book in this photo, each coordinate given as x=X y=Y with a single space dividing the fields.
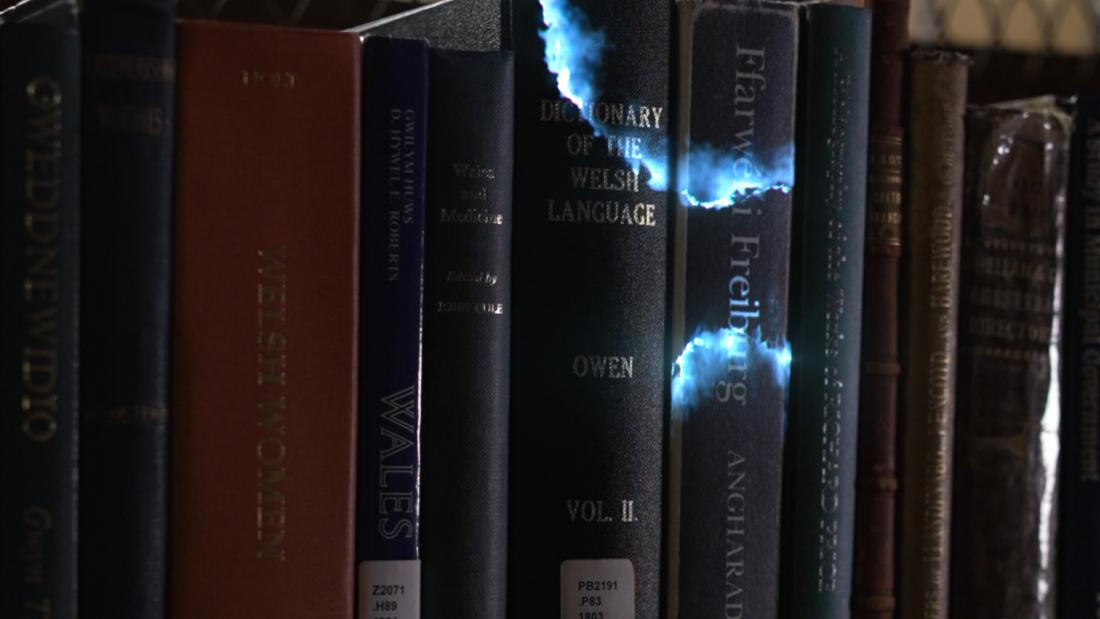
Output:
x=129 y=51
x=1079 y=550
x=39 y=262
x=590 y=371
x=467 y=321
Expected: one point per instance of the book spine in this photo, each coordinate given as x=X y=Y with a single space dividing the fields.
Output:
x=39 y=175
x=827 y=298
x=466 y=334
x=877 y=480
x=1008 y=379
x=395 y=127
x=1079 y=575
x=589 y=369
x=128 y=135
x=933 y=227
x=736 y=280
x=265 y=315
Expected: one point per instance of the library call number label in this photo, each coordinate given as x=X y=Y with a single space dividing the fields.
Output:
x=389 y=590
x=597 y=589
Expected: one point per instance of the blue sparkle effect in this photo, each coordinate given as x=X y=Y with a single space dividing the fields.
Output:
x=708 y=357
x=717 y=178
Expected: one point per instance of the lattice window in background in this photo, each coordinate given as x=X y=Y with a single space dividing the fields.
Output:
x=1068 y=27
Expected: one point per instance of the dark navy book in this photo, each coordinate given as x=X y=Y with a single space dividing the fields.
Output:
x=39 y=262
x=730 y=382
x=826 y=309
x=1079 y=550
x=590 y=370
x=129 y=50
x=467 y=326
x=395 y=117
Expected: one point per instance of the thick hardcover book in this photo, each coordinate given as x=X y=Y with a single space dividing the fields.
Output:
x=126 y=242
x=589 y=369
x=930 y=301
x=830 y=203
x=468 y=309
x=264 y=327
x=877 y=480
x=742 y=105
x=1008 y=388
x=39 y=270
x=395 y=128
x=1079 y=552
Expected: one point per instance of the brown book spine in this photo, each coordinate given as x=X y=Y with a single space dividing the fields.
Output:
x=930 y=300
x=1008 y=412
x=264 y=333
x=877 y=483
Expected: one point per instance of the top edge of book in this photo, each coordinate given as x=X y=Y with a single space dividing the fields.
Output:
x=260 y=28
x=471 y=25
x=766 y=6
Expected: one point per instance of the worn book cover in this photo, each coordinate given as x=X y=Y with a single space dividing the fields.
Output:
x=876 y=478
x=930 y=303
x=1008 y=398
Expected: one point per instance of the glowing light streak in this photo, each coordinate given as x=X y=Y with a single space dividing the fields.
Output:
x=707 y=358
x=718 y=178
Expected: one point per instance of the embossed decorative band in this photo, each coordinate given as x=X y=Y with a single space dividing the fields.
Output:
x=877 y=603
x=882 y=484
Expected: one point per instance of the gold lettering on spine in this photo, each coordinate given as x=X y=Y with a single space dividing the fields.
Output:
x=941 y=330
x=884 y=191
x=40 y=396
x=271 y=407
x=42 y=233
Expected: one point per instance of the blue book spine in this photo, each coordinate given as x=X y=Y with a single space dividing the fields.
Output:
x=1079 y=577
x=129 y=50
x=394 y=200
x=39 y=261
x=742 y=106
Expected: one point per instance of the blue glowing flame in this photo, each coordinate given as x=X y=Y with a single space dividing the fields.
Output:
x=708 y=357
x=718 y=178
x=574 y=53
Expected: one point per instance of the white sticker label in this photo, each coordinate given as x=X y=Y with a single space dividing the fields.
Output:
x=389 y=590
x=597 y=589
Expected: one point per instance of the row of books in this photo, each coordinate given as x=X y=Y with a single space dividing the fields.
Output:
x=612 y=324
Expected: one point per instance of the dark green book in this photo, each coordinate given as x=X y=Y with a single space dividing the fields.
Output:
x=827 y=298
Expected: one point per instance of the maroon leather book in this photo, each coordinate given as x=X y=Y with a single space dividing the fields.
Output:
x=876 y=476
x=264 y=333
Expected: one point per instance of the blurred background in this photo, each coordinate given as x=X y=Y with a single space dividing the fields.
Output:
x=1020 y=47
